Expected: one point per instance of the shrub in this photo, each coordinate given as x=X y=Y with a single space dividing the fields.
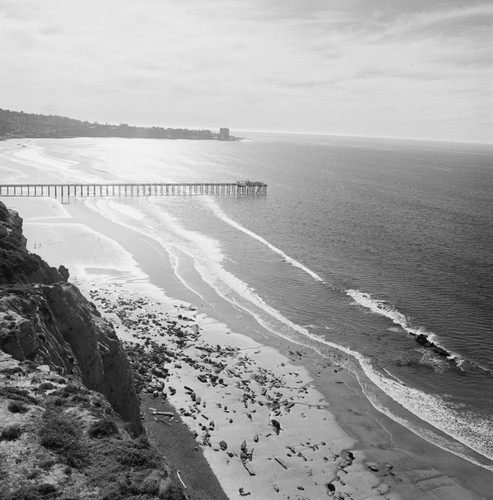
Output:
x=46 y=386
x=60 y=433
x=17 y=394
x=79 y=398
x=46 y=488
x=70 y=390
x=17 y=407
x=31 y=492
x=58 y=401
x=103 y=428
x=11 y=433
x=11 y=371
x=138 y=455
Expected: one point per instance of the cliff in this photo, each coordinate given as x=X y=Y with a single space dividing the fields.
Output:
x=45 y=319
x=70 y=423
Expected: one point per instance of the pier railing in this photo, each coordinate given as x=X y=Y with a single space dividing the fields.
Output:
x=66 y=191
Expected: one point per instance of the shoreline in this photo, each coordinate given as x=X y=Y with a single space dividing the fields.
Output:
x=416 y=461
x=339 y=387
x=265 y=430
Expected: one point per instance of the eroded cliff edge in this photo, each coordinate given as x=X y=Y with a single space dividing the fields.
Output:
x=70 y=418
x=45 y=319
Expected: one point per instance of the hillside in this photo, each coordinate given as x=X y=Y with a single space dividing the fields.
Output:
x=14 y=124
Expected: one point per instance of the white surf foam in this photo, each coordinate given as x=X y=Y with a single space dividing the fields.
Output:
x=207 y=257
x=212 y=204
x=382 y=308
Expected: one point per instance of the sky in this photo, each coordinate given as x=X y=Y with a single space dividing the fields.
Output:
x=380 y=68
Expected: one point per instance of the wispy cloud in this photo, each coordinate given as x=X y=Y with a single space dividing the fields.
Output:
x=337 y=66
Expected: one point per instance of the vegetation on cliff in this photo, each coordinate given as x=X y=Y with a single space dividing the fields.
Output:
x=60 y=440
x=20 y=124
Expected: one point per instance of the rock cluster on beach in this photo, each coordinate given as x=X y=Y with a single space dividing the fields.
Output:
x=254 y=419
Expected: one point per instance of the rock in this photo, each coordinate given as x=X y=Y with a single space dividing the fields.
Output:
x=373 y=466
x=276 y=425
x=331 y=489
x=64 y=272
x=223 y=445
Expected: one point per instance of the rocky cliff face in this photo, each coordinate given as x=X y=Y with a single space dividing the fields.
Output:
x=46 y=320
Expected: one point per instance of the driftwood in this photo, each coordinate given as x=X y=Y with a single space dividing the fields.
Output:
x=249 y=468
x=181 y=480
x=281 y=463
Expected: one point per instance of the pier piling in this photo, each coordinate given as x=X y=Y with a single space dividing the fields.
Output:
x=65 y=191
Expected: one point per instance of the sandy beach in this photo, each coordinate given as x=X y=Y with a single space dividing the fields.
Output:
x=272 y=418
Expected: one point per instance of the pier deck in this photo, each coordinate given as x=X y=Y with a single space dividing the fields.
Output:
x=65 y=191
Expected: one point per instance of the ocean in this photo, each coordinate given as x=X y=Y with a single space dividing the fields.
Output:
x=360 y=245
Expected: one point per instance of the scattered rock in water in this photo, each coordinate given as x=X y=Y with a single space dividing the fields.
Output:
x=223 y=445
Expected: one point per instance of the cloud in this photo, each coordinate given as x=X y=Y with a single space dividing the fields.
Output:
x=256 y=64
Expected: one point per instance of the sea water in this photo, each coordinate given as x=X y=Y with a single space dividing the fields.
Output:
x=360 y=245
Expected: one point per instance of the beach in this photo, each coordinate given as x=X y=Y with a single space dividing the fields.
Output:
x=273 y=418
x=265 y=414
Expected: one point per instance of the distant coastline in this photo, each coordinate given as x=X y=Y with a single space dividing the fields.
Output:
x=17 y=124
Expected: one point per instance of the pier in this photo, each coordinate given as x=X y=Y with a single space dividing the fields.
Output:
x=66 y=191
